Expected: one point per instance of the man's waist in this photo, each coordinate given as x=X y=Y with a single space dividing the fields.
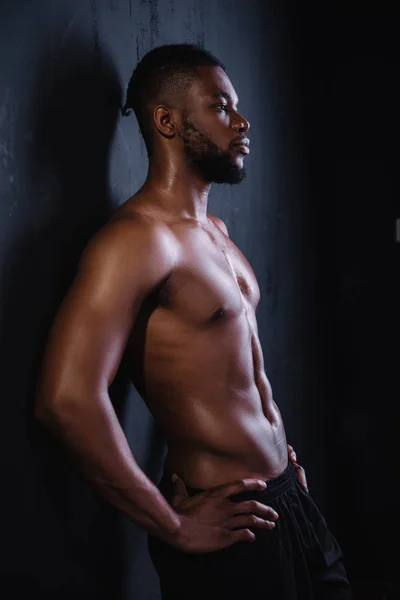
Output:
x=205 y=469
x=275 y=485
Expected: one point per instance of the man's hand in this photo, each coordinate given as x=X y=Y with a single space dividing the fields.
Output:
x=211 y=521
x=301 y=474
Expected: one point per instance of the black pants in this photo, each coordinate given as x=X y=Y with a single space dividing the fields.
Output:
x=297 y=560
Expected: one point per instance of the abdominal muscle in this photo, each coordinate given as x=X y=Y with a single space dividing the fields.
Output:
x=200 y=385
x=212 y=440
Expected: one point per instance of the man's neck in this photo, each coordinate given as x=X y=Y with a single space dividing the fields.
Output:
x=178 y=189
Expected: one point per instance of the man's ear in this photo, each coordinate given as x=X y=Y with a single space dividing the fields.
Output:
x=164 y=121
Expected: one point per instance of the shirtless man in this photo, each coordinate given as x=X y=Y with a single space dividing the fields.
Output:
x=162 y=286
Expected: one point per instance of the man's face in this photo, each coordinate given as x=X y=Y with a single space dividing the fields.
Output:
x=211 y=125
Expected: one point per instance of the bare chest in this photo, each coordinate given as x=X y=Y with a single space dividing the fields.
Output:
x=212 y=280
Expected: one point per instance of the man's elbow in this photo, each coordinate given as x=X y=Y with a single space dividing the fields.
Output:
x=45 y=412
x=49 y=408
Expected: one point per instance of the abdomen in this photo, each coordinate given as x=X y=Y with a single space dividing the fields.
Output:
x=199 y=386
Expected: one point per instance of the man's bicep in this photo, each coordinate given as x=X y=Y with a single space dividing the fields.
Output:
x=86 y=342
x=92 y=327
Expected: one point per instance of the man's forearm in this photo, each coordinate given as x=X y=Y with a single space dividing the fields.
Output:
x=93 y=434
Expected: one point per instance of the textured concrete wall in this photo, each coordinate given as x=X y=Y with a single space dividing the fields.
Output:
x=67 y=158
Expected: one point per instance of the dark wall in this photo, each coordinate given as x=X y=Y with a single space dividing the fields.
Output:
x=346 y=60
x=67 y=159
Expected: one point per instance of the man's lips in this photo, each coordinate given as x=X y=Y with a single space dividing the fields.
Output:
x=242 y=147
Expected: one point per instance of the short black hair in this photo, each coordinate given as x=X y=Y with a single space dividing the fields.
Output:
x=164 y=75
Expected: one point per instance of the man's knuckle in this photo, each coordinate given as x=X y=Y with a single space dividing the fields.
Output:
x=252 y=519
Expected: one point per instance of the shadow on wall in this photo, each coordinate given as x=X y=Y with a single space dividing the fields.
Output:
x=68 y=542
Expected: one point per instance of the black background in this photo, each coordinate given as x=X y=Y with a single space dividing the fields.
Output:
x=315 y=218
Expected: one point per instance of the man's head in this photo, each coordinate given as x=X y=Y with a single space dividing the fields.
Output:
x=185 y=102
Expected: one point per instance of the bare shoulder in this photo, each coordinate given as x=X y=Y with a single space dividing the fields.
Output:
x=131 y=241
x=219 y=222
x=131 y=230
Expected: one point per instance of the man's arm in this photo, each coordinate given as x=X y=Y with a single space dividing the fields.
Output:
x=118 y=269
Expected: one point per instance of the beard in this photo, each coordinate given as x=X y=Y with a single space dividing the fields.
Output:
x=212 y=163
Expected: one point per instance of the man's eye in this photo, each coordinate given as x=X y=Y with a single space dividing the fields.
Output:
x=222 y=106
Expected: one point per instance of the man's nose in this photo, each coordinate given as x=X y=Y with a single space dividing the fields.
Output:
x=240 y=123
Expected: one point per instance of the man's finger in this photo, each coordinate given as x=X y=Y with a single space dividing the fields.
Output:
x=301 y=475
x=292 y=453
x=179 y=487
